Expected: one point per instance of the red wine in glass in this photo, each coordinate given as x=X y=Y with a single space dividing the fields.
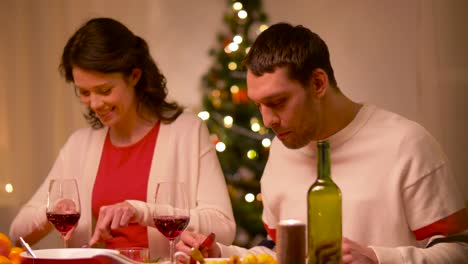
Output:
x=63 y=205
x=63 y=222
x=171 y=212
x=171 y=226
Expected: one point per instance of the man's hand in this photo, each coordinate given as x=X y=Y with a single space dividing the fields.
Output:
x=112 y=217
x=189 y=240
x=353 y=253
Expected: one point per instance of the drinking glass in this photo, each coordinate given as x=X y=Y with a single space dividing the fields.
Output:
x=63 y=205
x=172 y=212
x=136 y=253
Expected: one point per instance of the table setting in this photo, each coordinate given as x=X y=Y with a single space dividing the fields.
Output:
x=171 y=216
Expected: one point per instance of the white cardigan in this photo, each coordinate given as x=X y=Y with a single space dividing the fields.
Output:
x=183 y=152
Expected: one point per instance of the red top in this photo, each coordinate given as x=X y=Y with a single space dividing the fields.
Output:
x=123 y=175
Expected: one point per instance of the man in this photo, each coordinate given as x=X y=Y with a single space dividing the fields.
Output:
x=400 y=201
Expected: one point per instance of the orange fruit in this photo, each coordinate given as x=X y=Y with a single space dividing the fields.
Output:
x=265 y=259
x=5 y=245
x=14 y=255
x=5 y=260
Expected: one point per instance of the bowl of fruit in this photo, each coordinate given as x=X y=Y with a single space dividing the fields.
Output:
x=9 y=254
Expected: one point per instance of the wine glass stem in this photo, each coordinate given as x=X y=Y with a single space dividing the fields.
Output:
x=65 y=242
x=171 y=250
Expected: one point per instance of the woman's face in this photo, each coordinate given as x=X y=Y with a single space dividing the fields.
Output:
x=110 y=95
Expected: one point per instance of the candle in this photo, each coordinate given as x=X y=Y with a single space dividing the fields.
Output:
x=290 y=247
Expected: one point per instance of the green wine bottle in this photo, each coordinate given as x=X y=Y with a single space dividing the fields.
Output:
x=324 y=213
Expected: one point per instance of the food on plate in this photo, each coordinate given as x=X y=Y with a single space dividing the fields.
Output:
x=5 y=260
x=14 y=255
x=5 y=245
x=265 y=259
x=8 y=254
x=247 y=259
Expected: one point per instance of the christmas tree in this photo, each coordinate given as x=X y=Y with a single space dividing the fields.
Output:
x=242 y=142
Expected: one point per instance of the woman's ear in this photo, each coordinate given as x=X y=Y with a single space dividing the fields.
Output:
x=134 y=76
x=319 y=82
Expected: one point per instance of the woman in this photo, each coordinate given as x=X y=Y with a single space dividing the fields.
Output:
x=136 y=139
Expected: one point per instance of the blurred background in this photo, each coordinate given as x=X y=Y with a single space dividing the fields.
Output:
x=407 y=56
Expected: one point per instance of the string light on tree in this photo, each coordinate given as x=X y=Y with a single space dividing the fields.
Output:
x=259 y=197
x=237 y=39
x=237 y=6
x=255 y=127
x=266 y=142
x=233 y=47
x=251 y=154
x=204 y=115
x=254 y=124
x=9 y=188
x=229 y=112
x=232 y=66
x=263 y=131
x=234 y=89
x=263 y=27
x=228 y=121
x=220 y=146
x=249 y=197
x=242 y=14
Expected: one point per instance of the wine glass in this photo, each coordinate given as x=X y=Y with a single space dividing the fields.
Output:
x=63 y=205
x=172 y=212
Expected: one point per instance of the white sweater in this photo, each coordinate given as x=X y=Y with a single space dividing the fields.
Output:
x=183 y=152
x=395 y=182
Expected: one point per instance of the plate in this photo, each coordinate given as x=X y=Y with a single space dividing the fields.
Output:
x=75 y=256
x=68 y=253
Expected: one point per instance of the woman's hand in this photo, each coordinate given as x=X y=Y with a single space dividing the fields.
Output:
x=112 y=217
x=189 y=240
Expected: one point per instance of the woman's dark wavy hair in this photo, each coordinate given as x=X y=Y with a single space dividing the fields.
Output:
x=295 y=47
x=106 y=45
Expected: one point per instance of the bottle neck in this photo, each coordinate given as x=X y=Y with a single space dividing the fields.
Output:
x=323 y=162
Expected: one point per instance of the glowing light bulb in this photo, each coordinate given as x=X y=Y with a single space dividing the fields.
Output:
x=242 y=14
x=263 y=131
x=249 y=197
x=204 y=115
x=259 y=197
x=220 y=146
x=233 y=46
x=251 y=154
x=228 y=121
x=237 y=6
x=263 y=27
x=234 y=89
x=237 y=39
x=232 y=66
x=266 y=142
x=255 y=127
x=9 y=188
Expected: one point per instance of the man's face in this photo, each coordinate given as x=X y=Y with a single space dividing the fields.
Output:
x=288 y=108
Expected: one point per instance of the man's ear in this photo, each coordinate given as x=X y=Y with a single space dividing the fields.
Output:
x=319 y=81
